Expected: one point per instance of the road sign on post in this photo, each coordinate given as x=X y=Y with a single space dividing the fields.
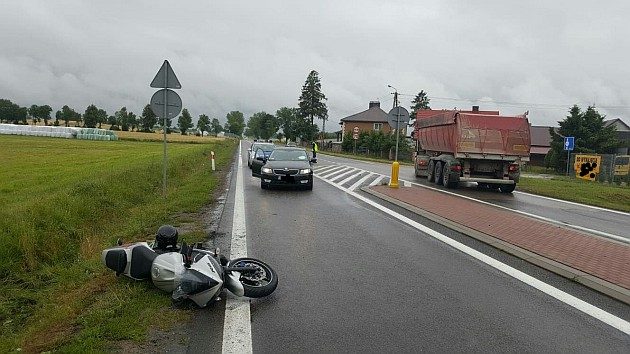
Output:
x=169 y=105
x=397 y=117
x=569 y=144
x=355 y=136
x=165 y=78
x=173 y=107
x=355 y=130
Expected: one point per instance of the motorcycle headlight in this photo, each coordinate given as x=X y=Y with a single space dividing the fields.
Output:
x=305 y=171
x=265 y=170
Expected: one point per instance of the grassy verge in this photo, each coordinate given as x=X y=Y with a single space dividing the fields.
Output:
x=585 y=192
x=63 y=201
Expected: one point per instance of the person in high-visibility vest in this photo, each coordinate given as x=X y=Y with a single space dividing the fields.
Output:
x=315 y=149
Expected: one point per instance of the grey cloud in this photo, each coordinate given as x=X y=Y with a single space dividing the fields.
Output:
x=254 y=55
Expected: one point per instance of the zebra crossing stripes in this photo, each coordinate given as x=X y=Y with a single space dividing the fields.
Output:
x=377 y=180
x=324 y=168
x=351 y=178
x=333 y=171
x=340 y=176
x=361 y=181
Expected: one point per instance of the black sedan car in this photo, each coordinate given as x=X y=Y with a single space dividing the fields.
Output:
x=286 y=166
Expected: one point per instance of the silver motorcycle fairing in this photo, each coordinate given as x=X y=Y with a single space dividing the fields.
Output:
x=166 y=268
x=212 y=271
x=233 y=283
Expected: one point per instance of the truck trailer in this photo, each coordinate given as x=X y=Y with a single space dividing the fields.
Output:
x=471 y=146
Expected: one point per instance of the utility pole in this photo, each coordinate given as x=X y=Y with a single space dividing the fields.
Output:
x=393 y=181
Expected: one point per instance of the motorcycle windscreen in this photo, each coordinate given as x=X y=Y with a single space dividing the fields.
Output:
x=192 y=282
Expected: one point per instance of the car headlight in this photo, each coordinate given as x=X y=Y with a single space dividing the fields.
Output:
x=305 y=171
x=265 y=170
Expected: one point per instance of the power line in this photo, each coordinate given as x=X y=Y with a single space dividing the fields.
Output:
x=515 y=104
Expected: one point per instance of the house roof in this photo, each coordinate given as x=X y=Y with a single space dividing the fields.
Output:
x=373 y=114
x=618 y=123
x=540 y=136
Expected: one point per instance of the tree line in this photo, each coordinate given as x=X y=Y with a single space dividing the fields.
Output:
x=591 y=136
x=289 y=123
x=94 y=117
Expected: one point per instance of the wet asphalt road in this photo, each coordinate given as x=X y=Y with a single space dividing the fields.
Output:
x=355 y=280
x=605 y=221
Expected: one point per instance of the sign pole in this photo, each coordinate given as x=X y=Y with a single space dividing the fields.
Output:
x=397 y=132
x=568 y=160
x=165 y=79
x=164 y=130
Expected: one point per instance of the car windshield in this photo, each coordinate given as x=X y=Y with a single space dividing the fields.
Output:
x=266 y=147
x=288 y=155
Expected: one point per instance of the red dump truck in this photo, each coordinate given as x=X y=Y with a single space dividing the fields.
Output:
x=471 y=146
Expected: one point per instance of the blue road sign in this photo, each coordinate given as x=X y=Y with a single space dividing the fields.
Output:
x=569 y=143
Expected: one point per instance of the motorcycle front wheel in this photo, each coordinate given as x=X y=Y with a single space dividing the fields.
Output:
x=259 y=283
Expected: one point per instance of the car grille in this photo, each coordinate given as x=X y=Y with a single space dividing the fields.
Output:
x=281 y=171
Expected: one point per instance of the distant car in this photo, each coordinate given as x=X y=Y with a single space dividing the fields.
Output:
x=266 y=149
x=286 y=166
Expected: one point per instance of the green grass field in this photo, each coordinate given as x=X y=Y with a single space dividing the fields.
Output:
x=63 y=201
x=580 y=191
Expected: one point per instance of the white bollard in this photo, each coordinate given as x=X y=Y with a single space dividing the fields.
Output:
x=212 y=155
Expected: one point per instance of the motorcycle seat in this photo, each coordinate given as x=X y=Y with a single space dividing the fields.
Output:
x=116 y=260
x=141 y=260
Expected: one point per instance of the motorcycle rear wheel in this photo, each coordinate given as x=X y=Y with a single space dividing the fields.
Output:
x=256 y=284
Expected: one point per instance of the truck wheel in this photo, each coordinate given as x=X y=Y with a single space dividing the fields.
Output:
x=446 y=177
x=438 y=173
x=507 y=188
x=431 y=171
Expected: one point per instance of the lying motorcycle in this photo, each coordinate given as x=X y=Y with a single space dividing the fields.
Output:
x=194 y=273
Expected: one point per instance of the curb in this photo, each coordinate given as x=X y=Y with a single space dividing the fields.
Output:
x=595 y=283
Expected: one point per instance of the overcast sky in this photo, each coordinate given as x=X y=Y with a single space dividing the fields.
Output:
x=251 y=56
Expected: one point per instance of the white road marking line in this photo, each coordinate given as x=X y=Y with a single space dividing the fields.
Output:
x=406 y=183
x=327 y=174
x=340 y=176
x=351 y=177
x=574 y=203
x=237 y=325
x=377 y=180
x=580 y=305
x=331 y=170
x=557 y=222
x=359 y=182
x=539 y=217
x=323 y=168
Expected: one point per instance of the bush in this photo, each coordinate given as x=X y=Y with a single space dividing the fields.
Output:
x=377 y=144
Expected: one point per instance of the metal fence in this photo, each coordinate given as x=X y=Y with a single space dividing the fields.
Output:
x=603 y=168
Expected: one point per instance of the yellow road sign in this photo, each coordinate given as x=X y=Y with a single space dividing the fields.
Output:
x=587 y=166
x=622 y=165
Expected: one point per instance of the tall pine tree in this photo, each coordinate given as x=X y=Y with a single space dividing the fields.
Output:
x=185 y=121
x=311 y=103
x=591 y=136
x=421 y=101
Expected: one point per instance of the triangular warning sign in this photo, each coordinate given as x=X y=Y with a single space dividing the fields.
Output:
x=165 y=78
